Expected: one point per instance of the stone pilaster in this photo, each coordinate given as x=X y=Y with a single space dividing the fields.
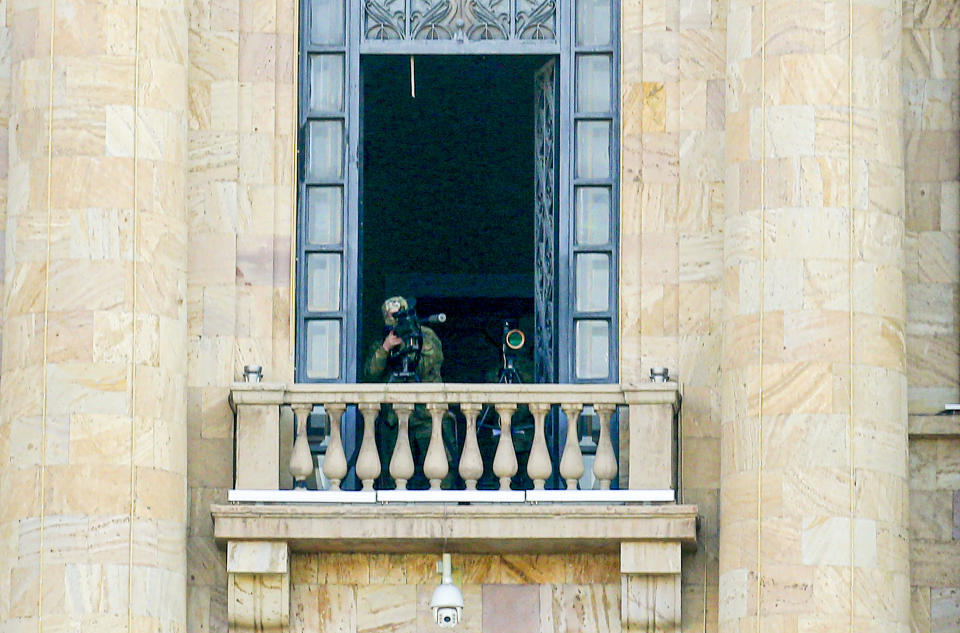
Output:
x=650 y=587
x=92 y=402
x=813 y=533
x=671 y=236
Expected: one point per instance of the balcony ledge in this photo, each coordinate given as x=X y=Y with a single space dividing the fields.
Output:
x=472 y=529
x=244 y=393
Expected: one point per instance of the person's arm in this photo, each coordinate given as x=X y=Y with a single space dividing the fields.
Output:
x=376 y=366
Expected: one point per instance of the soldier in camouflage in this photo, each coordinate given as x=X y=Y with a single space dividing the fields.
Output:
x=379 y=368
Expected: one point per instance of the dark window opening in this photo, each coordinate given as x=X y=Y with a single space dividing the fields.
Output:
x=447 y=201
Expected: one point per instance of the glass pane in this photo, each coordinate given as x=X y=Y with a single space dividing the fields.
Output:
x=326 y=21
x=593 y=83
x=593 y=352
x=593 y=282
x=323 y=282
x=593 y=22
x=324 y=150
x=324 y=214
x=593 y=149
x=326 y=83
x=323 y=349
x=593 y=215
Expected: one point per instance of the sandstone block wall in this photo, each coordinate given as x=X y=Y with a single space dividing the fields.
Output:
x=672 y=208
x=502 y=594
x=242 y=140
x=931 y=101
x=935 y=533
x=240 y=149
x=671 y=222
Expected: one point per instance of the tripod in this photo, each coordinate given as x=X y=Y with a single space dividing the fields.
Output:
x=506 y=375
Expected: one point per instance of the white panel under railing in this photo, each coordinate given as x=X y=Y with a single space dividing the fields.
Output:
x=642 y=466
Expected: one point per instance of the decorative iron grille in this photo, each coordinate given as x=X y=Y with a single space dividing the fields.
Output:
x=460 y=20
x=545 y=150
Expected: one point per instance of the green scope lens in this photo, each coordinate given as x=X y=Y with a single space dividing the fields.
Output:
x=514 y=339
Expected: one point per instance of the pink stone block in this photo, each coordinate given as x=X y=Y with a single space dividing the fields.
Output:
x=511 y=609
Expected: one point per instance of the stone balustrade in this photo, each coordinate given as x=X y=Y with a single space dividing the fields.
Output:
x=646 y=440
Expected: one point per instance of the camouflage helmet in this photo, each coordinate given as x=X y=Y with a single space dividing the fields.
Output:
x=391 y=305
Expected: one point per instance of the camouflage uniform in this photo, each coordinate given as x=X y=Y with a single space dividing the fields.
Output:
x=431 y=358
x=377 y=369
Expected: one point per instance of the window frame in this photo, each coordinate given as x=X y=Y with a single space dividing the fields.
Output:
x=354 y=46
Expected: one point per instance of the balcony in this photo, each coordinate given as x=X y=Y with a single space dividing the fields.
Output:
x=632 y=429
x=596 y=470
x=602 y=463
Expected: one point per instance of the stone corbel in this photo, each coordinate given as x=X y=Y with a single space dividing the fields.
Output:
x=650 y=587
x=258 y=586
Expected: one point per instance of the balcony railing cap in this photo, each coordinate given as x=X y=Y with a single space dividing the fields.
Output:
x=244 y=393
x=652 y=393
x=264 y=393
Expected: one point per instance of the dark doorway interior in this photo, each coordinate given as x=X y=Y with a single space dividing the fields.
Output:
x=447 y=199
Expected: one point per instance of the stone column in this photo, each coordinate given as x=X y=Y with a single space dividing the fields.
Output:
x=92 y=402
x=814 y=437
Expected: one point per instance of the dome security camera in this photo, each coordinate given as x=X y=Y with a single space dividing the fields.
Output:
x=447 y=600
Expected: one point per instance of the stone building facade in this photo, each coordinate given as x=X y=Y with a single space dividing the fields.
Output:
x=789 y=221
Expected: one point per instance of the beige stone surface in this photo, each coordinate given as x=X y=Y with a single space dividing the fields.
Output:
x=690 y=111
x=477 y=528
x=242 y=131
x=649 y=558
x=931 y=71
x=671 y=240
x=258 y=557
x=95 y=263
x=572 y=594
x=931 y=75
x=258 y=602
x=815 y=366
x=934 y=528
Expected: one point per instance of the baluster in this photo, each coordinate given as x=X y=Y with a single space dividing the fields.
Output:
x=401 y=463
x=335 y=461
x=471 y=464
x=539 y=466
x=605 y=462
x=505 y=459
x=435 y=463
x=571 y=464
x=301 y=461
x=368 y=461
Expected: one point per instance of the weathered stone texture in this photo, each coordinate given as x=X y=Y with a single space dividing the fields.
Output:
x=935 y=533
x=931 y=100
x=931 y=127
x=692 y=136
x=814 y=429
x=242 y=135
x=502 y=594
x=92 y=403
x=671 y=221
